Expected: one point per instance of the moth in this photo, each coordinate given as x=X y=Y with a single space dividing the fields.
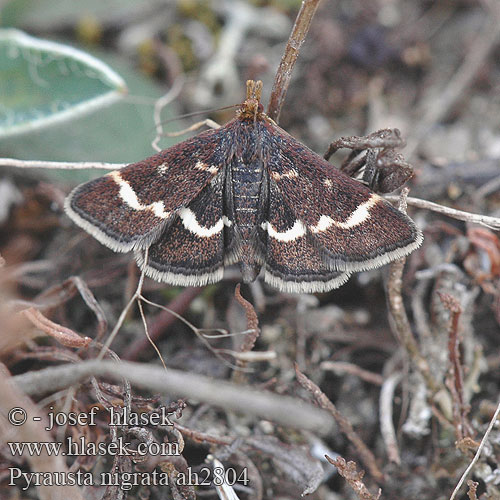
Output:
x=245 y=193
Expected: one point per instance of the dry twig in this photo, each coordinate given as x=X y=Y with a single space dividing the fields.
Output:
x=401 y=322
x=364 y=452
x=163 y=322
x=284 y=410
x=386 y=421
x=160 y=104
x=342 y=367
x=250 y=338
x=203 y=437
x=63 y=165
x=63 y=335
x=478 y=452
x=456 y=382
x=92 y=303
x=484 y=220
x=355 y=479
x=295 y=41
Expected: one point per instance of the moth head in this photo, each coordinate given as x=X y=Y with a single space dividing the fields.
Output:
x=252 y=108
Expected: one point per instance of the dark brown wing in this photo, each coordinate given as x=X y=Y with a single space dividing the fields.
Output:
x=353 y=228
x=128 y=209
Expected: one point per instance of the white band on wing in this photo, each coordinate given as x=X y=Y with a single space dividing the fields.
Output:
x=360 y=215
x=296 y=231
x=190 y=222
x=127 y=194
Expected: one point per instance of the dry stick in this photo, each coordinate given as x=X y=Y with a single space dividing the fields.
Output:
x=401 y=322
x=456 y=381
x=202 y=437
x=253 y=333
x=386 y=421
x=163 y=322
x=365 y=454
x=463 y=78
x=63 y=165
x=160 y=104
x=92 y=303
x=195 y=126
x=490 y=187
x=15 y=272
x=63 y=335
x=252 y=321
x=284 y=410
x=342 y=367
x=478 y=453
x=146 y=331
x=355 y=479
x=484 y=220
x=137 y=295
x=472 y=493
x=295 y=41
x=199 y=332
x=248 y=357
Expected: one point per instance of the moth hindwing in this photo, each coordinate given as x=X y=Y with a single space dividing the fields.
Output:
x=246 y=193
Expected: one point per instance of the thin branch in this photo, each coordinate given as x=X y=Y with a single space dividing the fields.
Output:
x=490 y=187
x=199 y=332
x=248 y=343
x=355 y=479
x=295 y=41
x=163 y=322
x=92 y=303
x=478 y=453
x=137 y=294
x=63 y=335
x=146 y=331
x=252 y=321
x=398 y=313
x=386 y=420
x=485 y=220
x=284 y=410
x=63 y=165
x=364 y=452
x=342 y=367
x=455 y=381
x=203 y=437
x=163 y=101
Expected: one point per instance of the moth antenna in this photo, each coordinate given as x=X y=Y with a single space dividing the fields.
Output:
x=198 y=113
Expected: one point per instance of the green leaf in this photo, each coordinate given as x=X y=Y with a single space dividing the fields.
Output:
x=44 y=82
x=121 y=133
